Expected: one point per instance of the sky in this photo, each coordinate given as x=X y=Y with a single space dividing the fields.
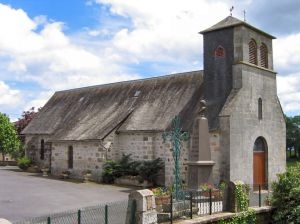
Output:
x=52 y=45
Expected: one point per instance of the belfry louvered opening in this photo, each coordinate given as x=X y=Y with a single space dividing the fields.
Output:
x=263 y=56
x=253 y=52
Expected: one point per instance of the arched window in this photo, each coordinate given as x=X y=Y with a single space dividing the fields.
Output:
x=220 y=51
x=259 y=145
x=70 y=157
x=263 y=56
x=260 y=109
x=253 y=52
x=42 y=153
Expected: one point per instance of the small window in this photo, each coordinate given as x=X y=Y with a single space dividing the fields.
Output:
x=259 y=145
x=253 y=52
x=260 y=109
x=220 y=52
x=263 y=56
x=42 y=153
x=137 y=93
x=70 y=157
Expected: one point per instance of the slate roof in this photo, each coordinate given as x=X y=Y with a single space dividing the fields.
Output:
x=141 y=105
x=231 y=21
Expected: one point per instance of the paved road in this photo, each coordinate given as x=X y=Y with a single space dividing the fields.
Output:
x=26 y=195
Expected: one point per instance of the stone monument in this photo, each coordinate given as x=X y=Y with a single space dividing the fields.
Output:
x=200 y=171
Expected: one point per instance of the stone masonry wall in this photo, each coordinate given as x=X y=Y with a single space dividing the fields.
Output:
x=33 y=149
x=148 y=146
x=245 y=126
x=86 y=156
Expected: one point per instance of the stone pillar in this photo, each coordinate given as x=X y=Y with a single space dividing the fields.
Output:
x=145 y=212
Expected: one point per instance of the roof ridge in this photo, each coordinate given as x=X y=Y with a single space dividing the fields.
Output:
x=129 y=81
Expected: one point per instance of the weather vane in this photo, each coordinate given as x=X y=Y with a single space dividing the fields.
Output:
x=231 y=9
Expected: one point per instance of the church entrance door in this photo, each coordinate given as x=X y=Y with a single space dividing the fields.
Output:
x=260 y=163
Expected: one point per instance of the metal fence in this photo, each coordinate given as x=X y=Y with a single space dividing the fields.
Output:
x=189 y=204
x=112 y=213
x=259 y=195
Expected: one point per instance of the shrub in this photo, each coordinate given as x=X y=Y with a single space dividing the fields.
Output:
x=111 y=170
x=149 y=170
x=24 y=163
x=286 y=196
x=146 y=170
x=129 y=167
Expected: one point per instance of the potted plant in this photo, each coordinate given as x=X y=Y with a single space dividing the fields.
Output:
x=162 y=195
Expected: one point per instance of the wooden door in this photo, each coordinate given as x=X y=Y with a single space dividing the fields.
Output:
x=259 y=168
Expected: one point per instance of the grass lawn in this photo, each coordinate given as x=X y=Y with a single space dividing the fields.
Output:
x=291 y=163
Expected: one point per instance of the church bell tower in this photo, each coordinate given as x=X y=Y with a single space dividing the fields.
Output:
x=229 y=43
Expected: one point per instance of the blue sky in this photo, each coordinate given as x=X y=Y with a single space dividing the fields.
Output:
x=51 y=45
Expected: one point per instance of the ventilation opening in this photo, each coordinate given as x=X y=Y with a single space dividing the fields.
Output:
x=252 y=52
x=264 y=56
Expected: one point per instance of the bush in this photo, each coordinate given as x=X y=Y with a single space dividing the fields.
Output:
x=111 y=170
x=286 y=196
x=149 y=169
x=129 y=167
x=24 y=163
x=146 y=170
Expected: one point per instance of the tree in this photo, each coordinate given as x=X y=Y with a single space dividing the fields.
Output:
x=9 y=141
x=286 y=196
x=293 y=134
x=25 y=119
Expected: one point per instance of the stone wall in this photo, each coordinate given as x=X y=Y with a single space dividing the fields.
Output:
x=33 y=149
x=91 y=155
x=86 y=156
x=148 y=146
x=246 y=127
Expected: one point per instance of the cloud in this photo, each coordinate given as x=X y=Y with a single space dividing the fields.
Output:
x=279 y=17
x=287 y=52
x=133 y=39
x=47 y=56
x=163 y=30
x=36 y=50
x=9 y=97
x=289 y=92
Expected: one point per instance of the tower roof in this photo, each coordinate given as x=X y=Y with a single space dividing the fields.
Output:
x=231 y=21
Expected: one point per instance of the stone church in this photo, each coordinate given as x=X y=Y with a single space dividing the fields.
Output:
x=80 y=129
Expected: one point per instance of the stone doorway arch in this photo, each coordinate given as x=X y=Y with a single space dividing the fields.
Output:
x=260 y=163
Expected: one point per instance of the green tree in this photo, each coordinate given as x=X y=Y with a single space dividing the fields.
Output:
x=293 y=134
x=286 y=196
x=9 y=141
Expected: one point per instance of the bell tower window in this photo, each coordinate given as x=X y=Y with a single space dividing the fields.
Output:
x=252 y=52
x=263 y=56
x=260 y=109
x=220 y=51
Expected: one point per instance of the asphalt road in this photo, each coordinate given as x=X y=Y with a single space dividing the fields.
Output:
x=27 y=195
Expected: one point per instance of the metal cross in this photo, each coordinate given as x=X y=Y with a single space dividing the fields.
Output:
x=231 y=9
x=176 y=136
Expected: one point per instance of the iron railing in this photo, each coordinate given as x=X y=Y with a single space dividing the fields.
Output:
x=190 y=204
